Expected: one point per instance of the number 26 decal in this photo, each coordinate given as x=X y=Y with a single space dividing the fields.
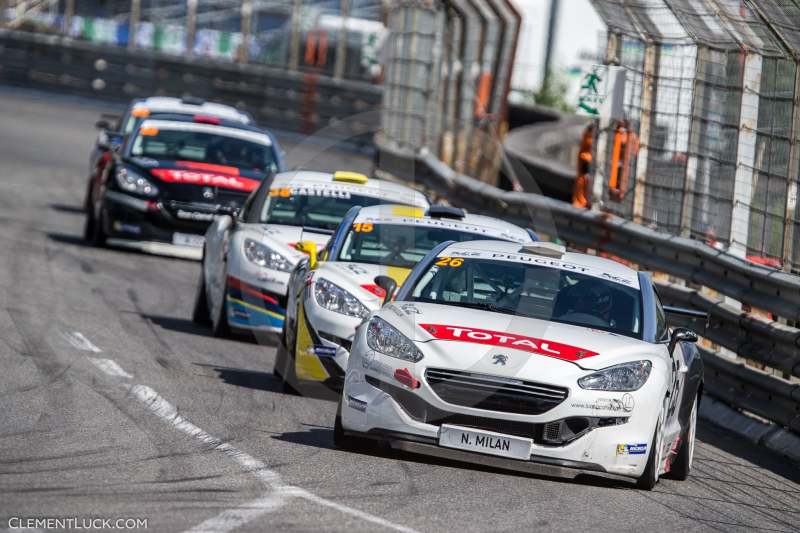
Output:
x=454 y=262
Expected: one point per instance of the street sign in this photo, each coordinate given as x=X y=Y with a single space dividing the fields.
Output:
x=602 y=92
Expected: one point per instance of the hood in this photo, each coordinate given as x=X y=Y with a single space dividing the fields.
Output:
x=359 y=279
x=176 y=175
x=459 y=336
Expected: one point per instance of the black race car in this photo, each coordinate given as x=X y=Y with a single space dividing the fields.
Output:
x=171 y=175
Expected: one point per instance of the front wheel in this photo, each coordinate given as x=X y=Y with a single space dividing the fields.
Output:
x=201 y=314
x=219 y=323
x=348 y=442
x=682 y=464
x=649 y=477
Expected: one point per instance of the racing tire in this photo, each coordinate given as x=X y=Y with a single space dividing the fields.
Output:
x=649 y=478
x=93 y=229
x=682 y=464
x=284 y=366
x=201 y=314
x=219 y=324
x=348 y=442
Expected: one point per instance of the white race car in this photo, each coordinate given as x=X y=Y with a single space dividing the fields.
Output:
x=373 y=250
x=247 y=259
x=523 y=355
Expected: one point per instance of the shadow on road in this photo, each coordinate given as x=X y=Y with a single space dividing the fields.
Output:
x=323 y=438
x=251 y=379
x=65 y=208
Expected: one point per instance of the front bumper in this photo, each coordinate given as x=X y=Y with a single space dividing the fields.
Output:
x=256 y=296
x=376 y=405
x=149 y=221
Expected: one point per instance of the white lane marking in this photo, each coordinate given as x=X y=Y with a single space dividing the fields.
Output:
x=235 y=518
x=272 y=480
x=78 y=340
x=110 y=367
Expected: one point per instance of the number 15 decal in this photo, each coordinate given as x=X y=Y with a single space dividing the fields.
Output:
x=454 y=262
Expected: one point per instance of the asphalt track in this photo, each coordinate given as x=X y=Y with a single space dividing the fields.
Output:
x=113 y=404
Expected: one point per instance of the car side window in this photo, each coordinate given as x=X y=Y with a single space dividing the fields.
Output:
x=661 y=318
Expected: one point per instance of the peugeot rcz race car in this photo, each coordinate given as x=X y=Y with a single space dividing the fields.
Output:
x=509 y=355
x=248 y=259
x=172 y=175
x=328 y=300
x=113 y=129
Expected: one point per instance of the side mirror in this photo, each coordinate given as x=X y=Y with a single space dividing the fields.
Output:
x=309 y=248
x=102 y=124
x=388 y=285
x=681 y=335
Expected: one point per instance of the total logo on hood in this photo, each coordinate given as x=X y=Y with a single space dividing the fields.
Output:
x=206 y=174
x=545 y=347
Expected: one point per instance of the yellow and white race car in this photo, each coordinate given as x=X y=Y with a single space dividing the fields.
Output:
x=247 y=259
x=372 y=251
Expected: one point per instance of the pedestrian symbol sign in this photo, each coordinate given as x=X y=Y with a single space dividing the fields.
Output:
x=601 y=92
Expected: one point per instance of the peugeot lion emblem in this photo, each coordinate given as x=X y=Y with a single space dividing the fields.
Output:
x=500 y=359
x=208 y=193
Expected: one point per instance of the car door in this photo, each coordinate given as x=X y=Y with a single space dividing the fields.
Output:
x=676 y=381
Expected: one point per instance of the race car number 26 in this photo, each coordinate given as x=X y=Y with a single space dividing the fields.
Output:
x=454 y=262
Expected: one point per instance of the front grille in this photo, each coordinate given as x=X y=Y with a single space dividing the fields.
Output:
x=555 y=433
x=494 y=393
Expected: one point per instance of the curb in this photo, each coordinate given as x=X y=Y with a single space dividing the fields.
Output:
x=774 y=438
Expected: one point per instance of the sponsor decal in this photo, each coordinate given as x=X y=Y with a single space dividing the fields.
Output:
x=508 y=340
x=194 y=215
x=615 y=405
x=192 y=177
x=356 y=404
x=127 y=228
x=374 y=289
x=369 y=362
x=410 y=309
x=499 y=359
x=320 y=350
x=632 y=449
x=222 y=169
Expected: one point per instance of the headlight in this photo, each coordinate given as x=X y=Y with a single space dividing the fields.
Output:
x=384 y=338
x=134 y=182
x=266 y=257
x=624 y=377
x=334 y=298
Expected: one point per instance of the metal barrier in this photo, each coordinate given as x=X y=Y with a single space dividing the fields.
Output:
x=289 y=100
x=770 y=343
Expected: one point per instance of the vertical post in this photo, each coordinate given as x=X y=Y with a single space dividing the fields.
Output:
x=695 y=131
x=746 y=155
x=601 y=135
x=649 y=81
x=3 y=6
x=191 y=25
x=294 y=38
x=552 y=28
x=133 y=25
x=247 y=30
x=792 y=176
x=69 y=13
x=341 y=41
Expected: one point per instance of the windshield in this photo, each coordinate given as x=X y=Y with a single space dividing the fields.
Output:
x=399 y=245
x=205 y=147
x=316 y=210
x=532 y=291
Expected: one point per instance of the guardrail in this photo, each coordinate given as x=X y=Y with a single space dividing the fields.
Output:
x=770 y=343
x=694 y=261
x=295 y=101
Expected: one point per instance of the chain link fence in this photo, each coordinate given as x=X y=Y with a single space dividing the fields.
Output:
x=708 y=146
x=337 y=38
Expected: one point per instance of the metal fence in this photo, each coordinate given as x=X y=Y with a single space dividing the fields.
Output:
x=708 y=147
x=335 y=38
x=448 y=71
